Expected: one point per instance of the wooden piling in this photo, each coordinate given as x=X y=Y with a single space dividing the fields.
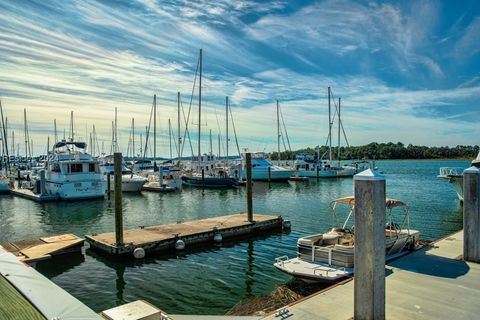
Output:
x=248 y=163
x=269 y=174
x=369 y=261
x=117 y=159
x=108 y=185
x=471 y=214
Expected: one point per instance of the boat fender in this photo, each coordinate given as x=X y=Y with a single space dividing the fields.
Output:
x=180 y=244
x=139 y=253
x=217 y=237
x=287 y=224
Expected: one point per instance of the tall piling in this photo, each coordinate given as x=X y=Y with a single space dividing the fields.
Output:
x=369 y=238
x=471 y=214
x=248 y=163
x=109 y=188
x=43 y=190
x=117 y=160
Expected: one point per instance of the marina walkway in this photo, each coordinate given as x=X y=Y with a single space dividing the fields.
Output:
x=431 y=283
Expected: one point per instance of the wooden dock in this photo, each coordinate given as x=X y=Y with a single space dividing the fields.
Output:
x=197 y=232
x=34 y=250
x=28 y=194
x=431 y=283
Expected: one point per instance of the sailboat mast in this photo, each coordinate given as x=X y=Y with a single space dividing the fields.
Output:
x=55 y=129
x=155 y=130
x=25 y=132
x=133 y=138
x=339 y=124
x=13 y=142
x=115 y=146
x=178 y=125
x=278 y=132
x=226 y=130
x=219 y=146
x=200 y=107
x=170 y=137
x=329 y=127
x=71 y=123
x=211 y=149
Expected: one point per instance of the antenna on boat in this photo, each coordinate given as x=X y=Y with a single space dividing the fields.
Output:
x=71 y=127
x=55 y=130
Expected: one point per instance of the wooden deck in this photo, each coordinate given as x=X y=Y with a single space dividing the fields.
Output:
x=38 y=249
x=163 y=237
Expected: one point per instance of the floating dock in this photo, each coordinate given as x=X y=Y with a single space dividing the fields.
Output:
x=431 y=283
x=156 y=187
x=197 y=232
x=29 y=194
x=31 y=251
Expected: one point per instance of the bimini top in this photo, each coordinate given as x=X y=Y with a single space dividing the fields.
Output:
x=63 y=143
x=390 y=203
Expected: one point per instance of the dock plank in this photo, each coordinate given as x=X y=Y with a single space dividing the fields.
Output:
x=40 y=248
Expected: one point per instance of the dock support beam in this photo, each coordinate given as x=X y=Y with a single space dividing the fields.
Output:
x=117 y=160
x=369 y=261
x=471 y=214
x=248 y=163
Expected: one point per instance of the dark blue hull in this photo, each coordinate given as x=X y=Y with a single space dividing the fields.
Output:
x=210 y=182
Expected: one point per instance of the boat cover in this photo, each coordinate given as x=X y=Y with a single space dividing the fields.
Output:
x=390 y=203
x=80 y=145
x=52 y=301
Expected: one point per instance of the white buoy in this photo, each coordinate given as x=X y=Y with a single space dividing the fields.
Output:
x=287 y=224
x=217 y=237
x=139 y=253
x=180 y=244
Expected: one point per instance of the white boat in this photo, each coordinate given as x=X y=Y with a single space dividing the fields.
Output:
x=328 y=257
x=143 y=166
x=264 y=170
x=73 y=174
x=131 y=182
x=454 y=175
x=306 y=165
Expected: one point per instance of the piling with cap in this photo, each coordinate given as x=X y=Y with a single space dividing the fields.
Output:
x=471 y=214
x=117 y=160
x=248 y=163
x=369 y=258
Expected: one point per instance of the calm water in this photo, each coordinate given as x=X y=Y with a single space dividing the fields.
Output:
x=212 y=280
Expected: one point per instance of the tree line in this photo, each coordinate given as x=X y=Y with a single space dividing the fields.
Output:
x=384 y=151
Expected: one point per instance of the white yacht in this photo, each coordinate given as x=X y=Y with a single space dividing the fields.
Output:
x=306 y=165
x=329 y=256
x=143 y=166
x=73 y=174
x=264 y=170
x=454 y=175
x=130 y=181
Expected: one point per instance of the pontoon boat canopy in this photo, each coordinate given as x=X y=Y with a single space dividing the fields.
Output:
x=390 y=203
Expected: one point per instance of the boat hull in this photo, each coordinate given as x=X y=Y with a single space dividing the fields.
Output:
x=262 y=174
x=209 y=182
x=76 y=190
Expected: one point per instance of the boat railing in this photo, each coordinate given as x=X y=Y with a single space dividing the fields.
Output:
x=451 y=171
x=281 y=260
x=326 y=269
x=319 y=248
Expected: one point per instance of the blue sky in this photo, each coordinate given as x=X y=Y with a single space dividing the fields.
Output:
x=406 y=71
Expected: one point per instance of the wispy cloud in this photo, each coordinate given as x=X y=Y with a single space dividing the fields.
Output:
x=91 y=56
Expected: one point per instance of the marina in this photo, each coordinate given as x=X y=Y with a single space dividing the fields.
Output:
x=239 y=160
x=230 y=272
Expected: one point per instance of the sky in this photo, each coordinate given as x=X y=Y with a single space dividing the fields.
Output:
x=405 y=71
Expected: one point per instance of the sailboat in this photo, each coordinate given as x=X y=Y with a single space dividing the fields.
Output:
x=202 y=173
x=315 y=166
